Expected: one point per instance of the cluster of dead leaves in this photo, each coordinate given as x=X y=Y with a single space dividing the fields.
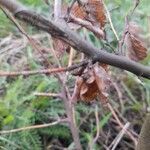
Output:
x=92 y=11
x=136 y=47
x=94 y=82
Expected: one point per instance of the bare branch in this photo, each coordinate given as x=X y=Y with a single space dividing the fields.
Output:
x=43 y=71
x=69 y=107
x=64 y=33
x=25 y=73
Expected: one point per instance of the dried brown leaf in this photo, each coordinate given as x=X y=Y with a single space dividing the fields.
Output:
x=135 y=43
x=103 y=82
x=78 y=11
x=97 y=12
x=89 y=91
x=92 y=11
x=93 y=82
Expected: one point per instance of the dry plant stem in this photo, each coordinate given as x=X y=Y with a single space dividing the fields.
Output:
x=33 y=127
x=70 y=61
x=57 y=15
x=121 y=42
x=42 y=71
x=26 y=73
x=124 y=120
x=14 y=21
x=63 y=32
x=97 y=31
x=97 y=125
x=111 y=24
x=75 y=93
x=119 y=137
x=119 y=95
x=120 y=124
x=31 y=40
x=48 y=94
x=97 y=128
x=71 y=57
x=53 y=52
x=135 y=6
x=57 y=9
x=69 y=107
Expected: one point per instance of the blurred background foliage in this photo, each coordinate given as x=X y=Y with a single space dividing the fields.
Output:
x=19 y=107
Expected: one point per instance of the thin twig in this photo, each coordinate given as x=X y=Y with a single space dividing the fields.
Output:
x=70 y=111
x=121 y=42
x=71 y=57
x=48 y=94
x=97 y=31
x=120 y=124
x=66 y=97
x=110 y=21
x=19 y=27
x=43 y=71
x=70 y=61
x=120 y=96
x=119 y=136
x=33 y=127
x=137 y=2
x=25 y=73
x=97 y=126
x=57 y=9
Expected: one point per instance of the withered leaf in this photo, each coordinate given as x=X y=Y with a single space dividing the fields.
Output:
x=78 y=11
x=103 y=82
x=92 y=83
x=136 y=47
x=89 y=89
x=97 y=12
x=92 y=11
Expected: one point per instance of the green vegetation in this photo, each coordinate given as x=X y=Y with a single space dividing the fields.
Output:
x=19 y=107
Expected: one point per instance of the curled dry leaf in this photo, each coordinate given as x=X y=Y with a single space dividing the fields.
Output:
x=78 y=11
x=89 y=89
x=97 y=12
x=136 y=47
x=103 y=81
x=93 y=82
x=137 y=50
x=92 y=11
